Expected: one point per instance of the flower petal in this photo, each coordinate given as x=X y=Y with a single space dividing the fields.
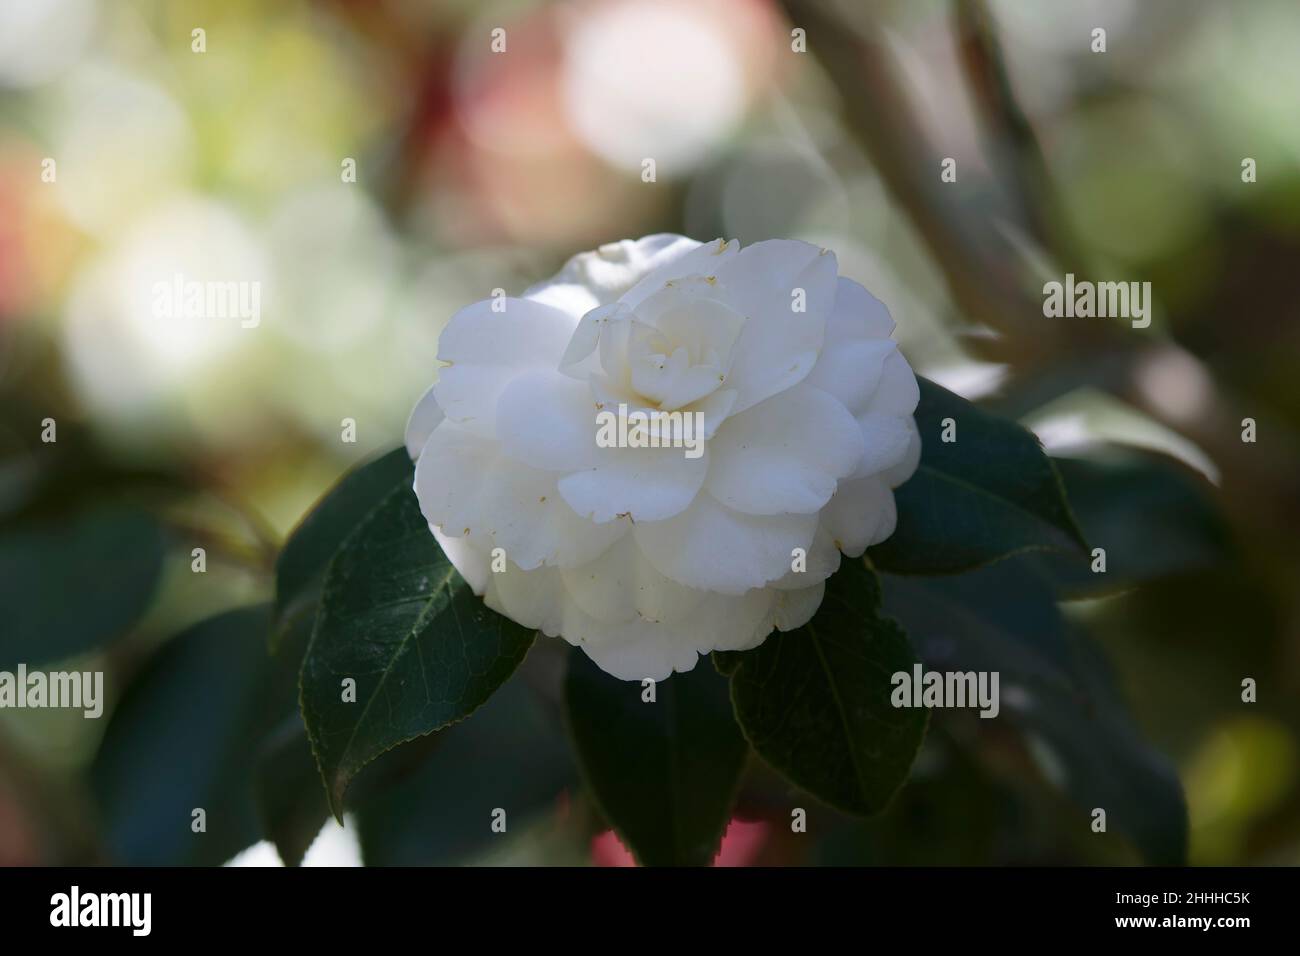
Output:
x=641 y=649
x=857 y=314
x=885 y=438
x=700 y=260
x=644 y=484
x=897 y=474
x=621 y=586
x=486 y=350
x=784 y=454
x=778 y=346
x=547 y=421
x=822 y=559
x=711 y=547
x=598 y=277
x=795 y=608
x=897 y=391
x=424 y=418
x=466 y=486
x=532 y=598
x=470 y=556
x=861 y=513
x=636 y=651
x=522 y=335
x=851 y=370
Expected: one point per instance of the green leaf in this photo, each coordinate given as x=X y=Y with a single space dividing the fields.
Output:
x=1055 y=690
x=663 y=773
x=815 y=702
x=182 y=738
x=72 y=584
x=1091 y=748
x=510 y=754
x=286 y=783
x=290 y=804
x=397 y=618
x=300 y=568
x=1001 y=615
x=990 y=493
x=1153 y=516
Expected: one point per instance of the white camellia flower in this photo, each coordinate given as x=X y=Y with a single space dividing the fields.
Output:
x=647 y=557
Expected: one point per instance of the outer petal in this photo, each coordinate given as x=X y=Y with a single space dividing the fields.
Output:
x=897 y=392
x=732 y=622
x=904 y=470
x=784 y=454
x=531 y=598
x=851 y=369
x=702 y=260
x=622 y=586
x=856 y=348
x=642 y=649
x=487 y=349
x=823 y=560
x=424 y=418
x=635 y=651
x=861 y=514
x=466 y=486
x=711 y=547
x=595 y=278
x=796 y=608
x=888 y=428
x=778 y=346
x=858 y=314
x=523 y=335
x=644 y=484
x=472 y=557
x=886 y=439
x=547 y=421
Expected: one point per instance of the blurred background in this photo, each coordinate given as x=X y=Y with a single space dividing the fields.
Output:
x=483 y=160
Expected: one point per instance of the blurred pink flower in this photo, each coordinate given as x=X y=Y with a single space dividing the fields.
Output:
x=741 y=845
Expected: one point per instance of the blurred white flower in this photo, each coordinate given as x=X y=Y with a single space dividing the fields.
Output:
x=40 y=40
x=647 y=557
x=334 y=846
x=672 y=106
x=135 y=363
x=124 y=146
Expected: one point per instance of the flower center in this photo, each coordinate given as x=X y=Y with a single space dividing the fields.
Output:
x=679 y=345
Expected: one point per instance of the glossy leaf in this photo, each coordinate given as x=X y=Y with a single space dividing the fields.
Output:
x=300 y=567
x=182 y=739
x=815 y=702
x=988 y=493
x=69 y=585
x=1152 y=515
x=664 y=773
x=437 y=809
x=1055 y=690
x=396 y=618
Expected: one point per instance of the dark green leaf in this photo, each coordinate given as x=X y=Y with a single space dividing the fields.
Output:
x=1153 y=516
x=1090 y=747
x=990 y=493
x=986 y=619
x=510 y=754
x=815 y=702
x=286 y=782
x=300 y=568
x=182 y=738
x=397 y=618
x=290 y=803
x=664 y=773
x=69 y=585
x=1055 y=690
